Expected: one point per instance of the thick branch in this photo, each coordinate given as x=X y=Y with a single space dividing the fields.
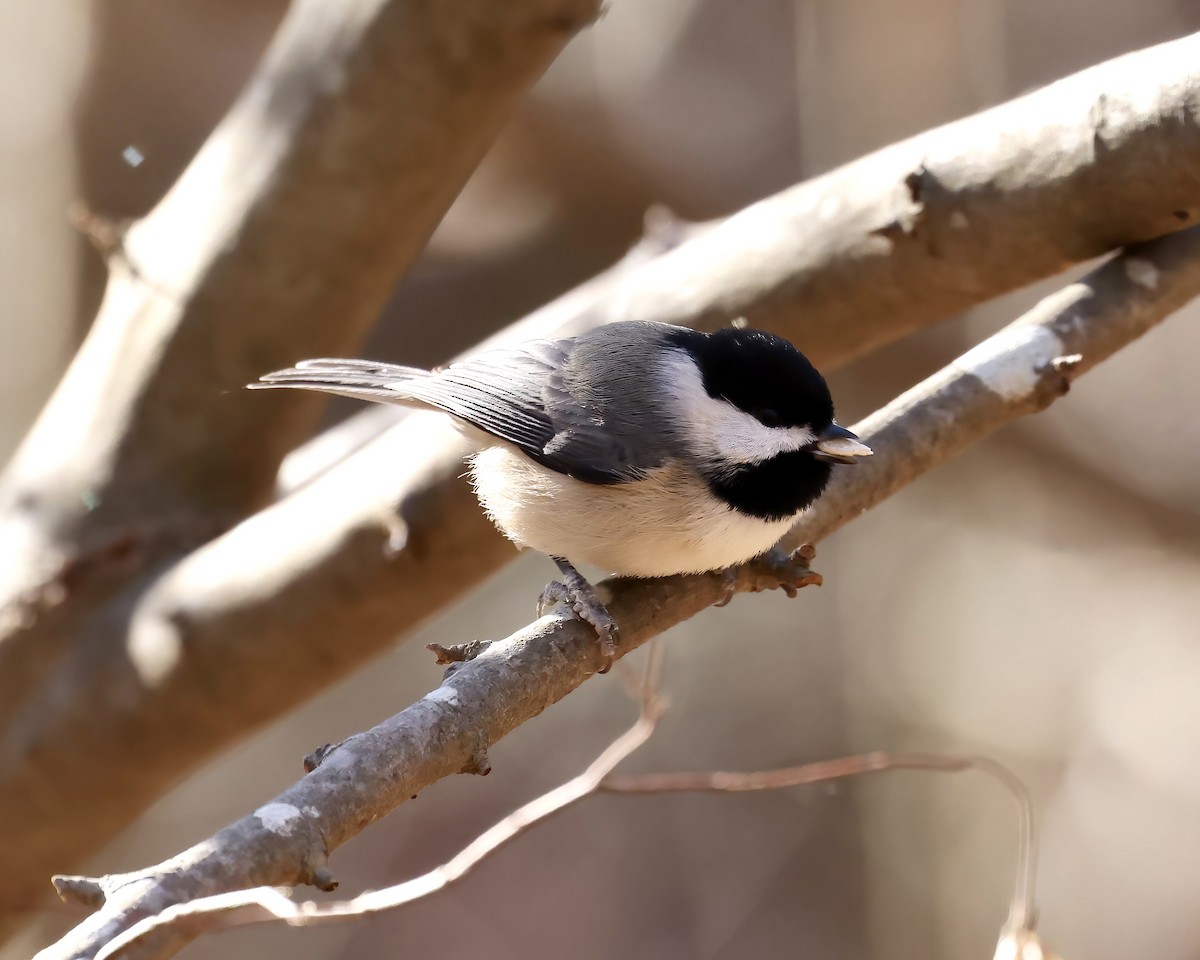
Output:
x=285 y=236
x=952 y=217
x=926 y=228
x=1020 y=370
x=322 y=581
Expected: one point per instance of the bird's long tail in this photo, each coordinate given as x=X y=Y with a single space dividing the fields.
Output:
x=360 y=379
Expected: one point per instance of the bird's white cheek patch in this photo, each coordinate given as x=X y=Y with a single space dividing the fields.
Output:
x=1010 y=362
x=729 y=434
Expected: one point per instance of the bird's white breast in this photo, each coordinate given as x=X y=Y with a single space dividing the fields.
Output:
x=664 y=524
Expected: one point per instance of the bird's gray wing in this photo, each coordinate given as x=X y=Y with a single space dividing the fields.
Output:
x=588 y=443
x=607 y=408
x=525 y=396
x=498 y=392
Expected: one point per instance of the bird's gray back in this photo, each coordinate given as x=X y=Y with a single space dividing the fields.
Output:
x=584 y=406
x=607 y=404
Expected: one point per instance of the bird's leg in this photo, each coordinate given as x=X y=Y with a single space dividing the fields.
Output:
x=575 y=592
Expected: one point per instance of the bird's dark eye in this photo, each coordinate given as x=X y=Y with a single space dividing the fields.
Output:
x=768 y=417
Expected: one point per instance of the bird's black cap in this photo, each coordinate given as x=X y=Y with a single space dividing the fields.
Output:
x=760 y=373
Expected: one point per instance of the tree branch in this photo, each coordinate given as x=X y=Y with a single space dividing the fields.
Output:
x=1022 y=369
x=261 y=905
x=115 y=649
x=265 y=903
x=263 y=239
x=931 y=226
x=318 y=189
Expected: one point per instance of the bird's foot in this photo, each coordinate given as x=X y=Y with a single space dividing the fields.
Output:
x=574 y=592
x=779 y=570
x=774 y=570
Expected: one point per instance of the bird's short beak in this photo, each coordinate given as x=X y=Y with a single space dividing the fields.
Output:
x=838 y=445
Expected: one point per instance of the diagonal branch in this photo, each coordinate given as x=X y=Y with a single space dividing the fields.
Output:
x=118 y=653
x=260 y=905
x=1020 y=370
x=284 y=237
x=262 y=241
x=931 y=226
x=247 y=906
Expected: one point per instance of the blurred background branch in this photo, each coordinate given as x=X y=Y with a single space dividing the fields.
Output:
x=962 y=615
x=323 y=182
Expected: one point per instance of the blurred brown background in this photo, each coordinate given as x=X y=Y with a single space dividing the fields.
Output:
x=1037 y=600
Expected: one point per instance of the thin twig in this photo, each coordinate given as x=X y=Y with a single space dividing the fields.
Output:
x=1022 y=912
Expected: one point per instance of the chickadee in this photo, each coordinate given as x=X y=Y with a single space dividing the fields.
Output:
x=642 y=448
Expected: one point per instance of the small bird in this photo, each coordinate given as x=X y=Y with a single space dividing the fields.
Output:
x=642 y=448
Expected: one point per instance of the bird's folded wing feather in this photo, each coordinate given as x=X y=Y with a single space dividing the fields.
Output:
x=519 y=396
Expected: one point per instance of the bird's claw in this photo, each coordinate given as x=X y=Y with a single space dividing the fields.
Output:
x=788 y=572
x=773 y=570
x=730 y=576
x=579 y=596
